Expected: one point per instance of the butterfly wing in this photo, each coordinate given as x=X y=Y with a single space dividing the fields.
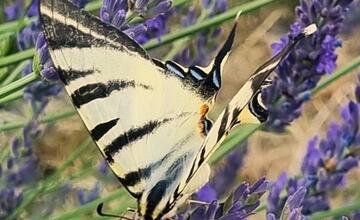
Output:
x=245 y=107
x=143 y=114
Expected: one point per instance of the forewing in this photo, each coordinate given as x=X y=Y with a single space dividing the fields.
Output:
x=133 y=108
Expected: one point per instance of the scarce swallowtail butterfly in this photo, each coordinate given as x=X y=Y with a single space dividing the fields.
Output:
x=148 y=117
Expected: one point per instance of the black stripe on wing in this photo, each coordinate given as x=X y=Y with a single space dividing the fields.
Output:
x=157 y=193
x=59 y=35
x=129 y=136
x=134 y=134
x=68 y=76
x=101 y=129
x=93 y=91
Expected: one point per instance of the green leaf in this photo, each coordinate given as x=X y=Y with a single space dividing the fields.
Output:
x=17 y=85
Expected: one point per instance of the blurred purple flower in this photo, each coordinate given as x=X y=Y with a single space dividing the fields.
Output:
x=28 y=36
x=85 y=196
x=225 y=176
x=17 y=9
x=310 y=60
x=13 y=11
x=207 y=193
x=325 y=164
x=238 y=206
x=21 y=170
x=206 y=43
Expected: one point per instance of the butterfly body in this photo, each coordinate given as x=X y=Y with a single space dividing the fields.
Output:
x=147 y=117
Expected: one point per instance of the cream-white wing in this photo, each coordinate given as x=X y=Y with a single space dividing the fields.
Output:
x=141 y=113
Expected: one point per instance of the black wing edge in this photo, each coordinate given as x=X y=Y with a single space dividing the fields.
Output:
x=59 y=34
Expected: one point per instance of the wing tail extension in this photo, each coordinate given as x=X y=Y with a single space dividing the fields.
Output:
x=231 y=115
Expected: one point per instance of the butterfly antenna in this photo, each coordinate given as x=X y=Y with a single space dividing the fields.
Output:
x=100 y=212
x=238 y=15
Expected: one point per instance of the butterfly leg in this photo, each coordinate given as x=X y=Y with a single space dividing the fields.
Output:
x=198 y=202
x=204 y=123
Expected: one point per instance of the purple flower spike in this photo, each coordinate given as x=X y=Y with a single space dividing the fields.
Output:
x=308 y=62
x=47 y=70
x=160 y=8
x=239 y=205
x=140 y=5
x=324 y=168
x=114 y=12
x=226 y=174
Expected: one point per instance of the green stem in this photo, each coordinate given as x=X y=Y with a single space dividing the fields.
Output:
x=211 y=22
x=12 y=97
x=236 y=137
x=14 y=26
x=93 y=6
x=18 y=84
x=15 y=73
x=32 y=194
x=17 y=57
x=338 y=212
x=46 y=119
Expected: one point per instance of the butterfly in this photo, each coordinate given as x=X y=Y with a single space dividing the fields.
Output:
x=148 y=117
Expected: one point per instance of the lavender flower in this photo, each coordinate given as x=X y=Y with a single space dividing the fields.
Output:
x=19 y=171
x=157 y=13
x=225 y=175
x=45 y=64
x=238 y=206
x=13 y=11
x=325 y=164
x=86 y=196
x=292 y=207
x=310 y=60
